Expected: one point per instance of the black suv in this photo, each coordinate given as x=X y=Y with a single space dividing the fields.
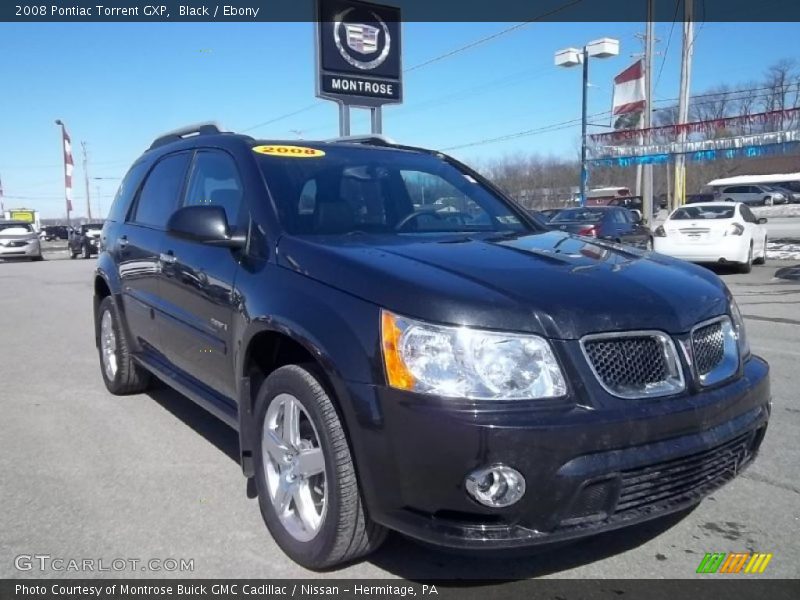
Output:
x=85 y=240
x=400 y=346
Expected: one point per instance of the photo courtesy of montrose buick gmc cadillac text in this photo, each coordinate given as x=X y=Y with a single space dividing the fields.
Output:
x=400 y=346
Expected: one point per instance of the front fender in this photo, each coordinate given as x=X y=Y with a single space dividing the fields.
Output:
x=340 y=331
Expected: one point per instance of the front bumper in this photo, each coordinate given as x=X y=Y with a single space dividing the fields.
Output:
x=27 y=251
x=588 y=470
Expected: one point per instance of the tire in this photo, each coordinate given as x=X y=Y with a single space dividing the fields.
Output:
x=127 y=377
x=341 y=531
x=72 y=254
x=762 y=260
x=37 y=258
x=648 y=245
x=768 y=201
x=746 y=267
x=85 y=252
x=728 y=199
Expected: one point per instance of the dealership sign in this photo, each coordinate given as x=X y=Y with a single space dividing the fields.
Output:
x=358 y=53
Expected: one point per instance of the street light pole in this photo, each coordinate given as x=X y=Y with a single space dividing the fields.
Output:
x=584 y=170
x=572 y=57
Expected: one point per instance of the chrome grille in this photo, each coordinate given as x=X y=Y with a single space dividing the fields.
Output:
x=715 y=352
x=635 y=364
x=709 y=347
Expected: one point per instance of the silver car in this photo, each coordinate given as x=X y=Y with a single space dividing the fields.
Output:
x=752 y=195
x=19 y=240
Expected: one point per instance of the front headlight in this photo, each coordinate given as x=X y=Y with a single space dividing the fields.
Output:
x=460 y=362
x=741 y=333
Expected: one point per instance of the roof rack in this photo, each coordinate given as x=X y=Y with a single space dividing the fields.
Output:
x=206 y=128
x=373 y=139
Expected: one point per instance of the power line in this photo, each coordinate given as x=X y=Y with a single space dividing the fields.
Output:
x=669 y=39
x=435 y=59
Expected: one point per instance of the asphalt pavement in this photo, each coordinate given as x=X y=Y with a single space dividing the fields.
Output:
x=86 y=475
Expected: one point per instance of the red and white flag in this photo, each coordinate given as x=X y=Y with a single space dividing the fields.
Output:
x=629 y=95
x=68 y=166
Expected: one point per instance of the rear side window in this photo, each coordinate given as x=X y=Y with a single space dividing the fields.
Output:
x=159 y=196
x=215 y=182
x=126 y=192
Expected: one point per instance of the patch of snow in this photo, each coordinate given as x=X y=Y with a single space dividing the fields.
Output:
x=783 y=250
x=778 y=211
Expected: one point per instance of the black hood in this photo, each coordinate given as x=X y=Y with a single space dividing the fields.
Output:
x=554 y=284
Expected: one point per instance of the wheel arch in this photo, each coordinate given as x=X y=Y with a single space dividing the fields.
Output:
x=267 y=347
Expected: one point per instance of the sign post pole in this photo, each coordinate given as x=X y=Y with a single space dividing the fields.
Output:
x=344 y=119
x=376 y=119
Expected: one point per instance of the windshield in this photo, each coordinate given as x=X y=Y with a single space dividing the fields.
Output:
x=582 y=215
x=703 y=212
x=15 y=228
x=369 y=190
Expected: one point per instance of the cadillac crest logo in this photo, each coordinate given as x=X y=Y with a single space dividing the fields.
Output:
x=359 y=42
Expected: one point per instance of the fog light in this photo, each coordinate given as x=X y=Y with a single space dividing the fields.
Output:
x=496 y=486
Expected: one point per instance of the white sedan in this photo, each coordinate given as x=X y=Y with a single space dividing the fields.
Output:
x=714 y=232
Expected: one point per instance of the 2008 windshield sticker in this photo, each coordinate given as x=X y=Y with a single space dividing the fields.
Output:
x=289 y=151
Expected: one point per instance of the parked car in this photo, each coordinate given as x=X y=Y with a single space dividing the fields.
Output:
x=50 y=233
x=605 y=222
x=18 y=239
x=792 y=196
x=549 y=213
x=752 y=195
x=85 y=240
x=539 y=218
x=699 y=198
x=478 y=384
x=714 y=232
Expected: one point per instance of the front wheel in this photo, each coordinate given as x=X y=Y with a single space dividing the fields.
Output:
x=648 y=245
x=86 y=253
x=307 y=485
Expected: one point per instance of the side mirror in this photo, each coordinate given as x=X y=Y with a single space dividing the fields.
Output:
x=636 y=214
x=204 y=224
x=762 y=221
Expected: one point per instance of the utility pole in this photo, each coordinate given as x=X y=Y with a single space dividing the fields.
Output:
x=647 y=171
x=86 y=181
x=679 y=194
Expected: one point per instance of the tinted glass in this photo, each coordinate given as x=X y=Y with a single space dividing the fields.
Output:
x=747 y=215
x=703 y=212
x=582 y=215
x=215 y=181
x=159 y=196
x=126 y=192
x=618 y=217
x=372 y=190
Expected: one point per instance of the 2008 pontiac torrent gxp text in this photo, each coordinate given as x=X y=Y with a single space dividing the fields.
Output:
x=400 y=346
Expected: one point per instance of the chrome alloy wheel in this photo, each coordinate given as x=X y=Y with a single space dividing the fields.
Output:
x=108 y=345
x=294 y=467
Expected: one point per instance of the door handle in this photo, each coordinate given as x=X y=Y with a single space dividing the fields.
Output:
x=123 y=241
x=167 y=257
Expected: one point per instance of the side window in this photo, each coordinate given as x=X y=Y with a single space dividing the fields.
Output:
x=159 y=196
x=747 y=215
x=126 y=191
x=618 y=217
x=215 y=181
